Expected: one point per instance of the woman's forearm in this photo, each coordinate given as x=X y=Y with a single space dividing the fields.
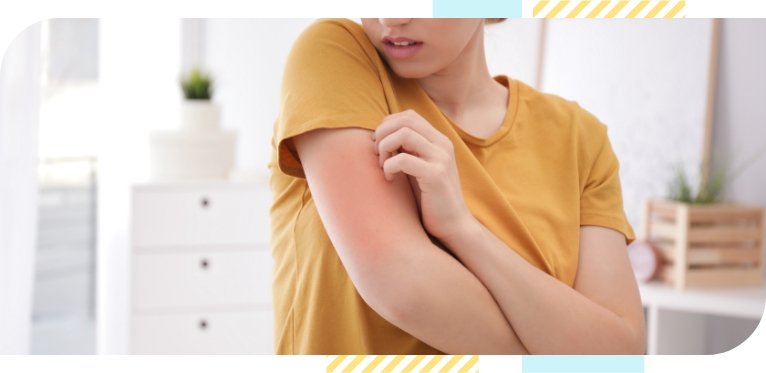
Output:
x=600 y=314
x=429 y=294
x=548 y=316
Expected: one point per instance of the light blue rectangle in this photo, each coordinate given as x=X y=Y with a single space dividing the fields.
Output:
x=583 y=364
x=477 y=8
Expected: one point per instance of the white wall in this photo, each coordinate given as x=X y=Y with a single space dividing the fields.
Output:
x=648 y=82
x=740 y=111
x=513 y=48
x=20 y=73
x=247 y=57
x=739 y=134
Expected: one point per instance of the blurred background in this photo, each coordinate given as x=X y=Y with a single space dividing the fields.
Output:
x=101 y=253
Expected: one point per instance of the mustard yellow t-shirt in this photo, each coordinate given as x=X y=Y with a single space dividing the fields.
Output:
x=548 y=170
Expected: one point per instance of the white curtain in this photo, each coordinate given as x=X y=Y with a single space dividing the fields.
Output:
x=19 y=114
x=139 y=63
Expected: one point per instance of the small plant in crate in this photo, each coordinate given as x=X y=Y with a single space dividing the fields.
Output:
x=704 y=241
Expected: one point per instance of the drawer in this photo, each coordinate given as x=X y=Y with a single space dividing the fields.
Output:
x=172 y=280
x=221 y=333
x=200 y=217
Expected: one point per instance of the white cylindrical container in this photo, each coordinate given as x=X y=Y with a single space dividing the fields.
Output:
x=187 y=155
x=200 y=115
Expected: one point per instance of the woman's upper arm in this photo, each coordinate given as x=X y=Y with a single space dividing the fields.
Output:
x=605 y=276
x=368 y=219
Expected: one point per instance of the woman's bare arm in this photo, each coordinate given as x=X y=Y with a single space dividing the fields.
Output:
x=398 y=271
x=601 y=314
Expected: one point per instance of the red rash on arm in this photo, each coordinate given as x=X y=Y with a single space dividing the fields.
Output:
x=365 y=206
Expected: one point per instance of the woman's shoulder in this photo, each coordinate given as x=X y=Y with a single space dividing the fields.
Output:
x=324 y=27
x=334 y=34
x=555 y=116
x=333 y=78
x=332 y=50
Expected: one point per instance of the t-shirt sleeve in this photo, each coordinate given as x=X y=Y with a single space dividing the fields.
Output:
x=601 y=201
x=331 y=80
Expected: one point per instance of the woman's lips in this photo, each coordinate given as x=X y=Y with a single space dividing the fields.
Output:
x=401 y=48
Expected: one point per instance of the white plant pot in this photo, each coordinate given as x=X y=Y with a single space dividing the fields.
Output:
x=198 y=150
x=187 y=155
x=200 y=115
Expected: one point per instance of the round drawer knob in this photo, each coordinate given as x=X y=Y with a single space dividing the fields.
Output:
x=205 y=202
x=203 y=324
x=204 y=263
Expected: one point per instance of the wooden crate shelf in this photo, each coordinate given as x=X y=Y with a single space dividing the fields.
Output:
x=706 y=245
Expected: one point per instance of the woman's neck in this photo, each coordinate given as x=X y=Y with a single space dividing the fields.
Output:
x=466 y=84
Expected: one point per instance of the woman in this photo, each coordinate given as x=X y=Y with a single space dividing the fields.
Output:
x=422 y=206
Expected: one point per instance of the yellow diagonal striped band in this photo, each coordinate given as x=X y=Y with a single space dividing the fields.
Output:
x=402 y=364
x=610 y=9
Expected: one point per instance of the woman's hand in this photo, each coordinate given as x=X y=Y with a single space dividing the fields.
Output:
x=405 y=142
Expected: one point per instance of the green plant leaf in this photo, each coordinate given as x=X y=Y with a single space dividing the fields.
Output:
x=712 y=184
x=679 y=188
x=197 y=85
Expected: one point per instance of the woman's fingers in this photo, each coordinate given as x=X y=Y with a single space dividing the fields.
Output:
x=407 y=163
x=410 y=119
x=405 y=142
x=410 y=141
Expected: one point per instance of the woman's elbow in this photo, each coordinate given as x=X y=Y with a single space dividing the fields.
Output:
x=637 y=344
x=632 y=339
x=397 y=305
x=386 y=289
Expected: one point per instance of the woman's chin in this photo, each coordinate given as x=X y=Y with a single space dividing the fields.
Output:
x=410 y=72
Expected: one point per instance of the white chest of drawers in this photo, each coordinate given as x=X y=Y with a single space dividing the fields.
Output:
x=201 y=269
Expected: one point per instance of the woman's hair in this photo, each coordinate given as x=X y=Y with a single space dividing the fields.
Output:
x=489 y=21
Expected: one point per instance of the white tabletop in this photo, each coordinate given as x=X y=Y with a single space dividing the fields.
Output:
x=743 y=302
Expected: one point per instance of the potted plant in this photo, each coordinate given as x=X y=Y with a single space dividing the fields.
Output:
x=704 y=241
x=198 y=112
x=200 y=149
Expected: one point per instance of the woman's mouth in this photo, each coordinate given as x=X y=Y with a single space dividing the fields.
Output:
x=401 y=48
